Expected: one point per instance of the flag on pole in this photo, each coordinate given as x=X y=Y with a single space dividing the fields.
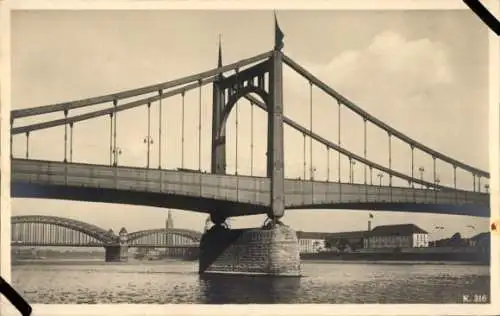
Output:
x=219 y=62
x=278 y=35
x=371 y=215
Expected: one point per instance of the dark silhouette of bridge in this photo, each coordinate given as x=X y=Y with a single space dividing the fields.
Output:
x=258 y=80
x=53 y=231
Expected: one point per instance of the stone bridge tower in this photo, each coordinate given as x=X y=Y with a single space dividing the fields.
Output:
x=117 y=249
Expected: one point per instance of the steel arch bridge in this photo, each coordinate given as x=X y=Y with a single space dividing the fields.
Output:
x=42 y=230
x=225 y=195
x=162 y=237
x=37 y=230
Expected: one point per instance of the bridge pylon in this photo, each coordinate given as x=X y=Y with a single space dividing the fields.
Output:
x=272 y=249
x=118 y=250
x=226 y=92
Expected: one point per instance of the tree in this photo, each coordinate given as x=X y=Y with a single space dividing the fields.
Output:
x=342 y=244
x=328 y=244
x=456 y=240
x=317 y=245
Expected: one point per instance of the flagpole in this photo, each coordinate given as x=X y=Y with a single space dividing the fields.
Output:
x=370 y=216
x=278 y=35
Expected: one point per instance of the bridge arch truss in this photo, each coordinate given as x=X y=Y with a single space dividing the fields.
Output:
x=164 y=238
x=42 y=230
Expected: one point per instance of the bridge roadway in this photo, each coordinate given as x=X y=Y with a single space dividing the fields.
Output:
x=237 y=195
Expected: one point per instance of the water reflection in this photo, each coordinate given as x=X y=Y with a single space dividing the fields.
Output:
x=220 y=289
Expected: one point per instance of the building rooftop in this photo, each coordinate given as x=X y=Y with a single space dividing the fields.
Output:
x=312 y=235
x=319 y=235
x=384 y=230
x=397 y=230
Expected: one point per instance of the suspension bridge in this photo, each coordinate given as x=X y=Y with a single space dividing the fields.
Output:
x=257 y=81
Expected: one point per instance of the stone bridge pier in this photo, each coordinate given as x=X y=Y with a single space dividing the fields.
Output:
x=118 y=251
x=272 y=249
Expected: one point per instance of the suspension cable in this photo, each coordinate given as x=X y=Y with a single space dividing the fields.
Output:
x=412 y=165
x=304 y=157
x=390 y=159
x=434 y=170
x=311 y=130
x=371 y=175
x=160 y=121
x=27 y=144
x=182 y=128
x=71 y=142
x=236 y=140
x=65 y=136
x=236 y=122
x=365 y=140
x=350 y=171
x=199 y=126
x=455 y=176
x=115 y=104
x=339 y=141
x=327 y=164
x=149 y=140
x=251 y=138
x=111 y=139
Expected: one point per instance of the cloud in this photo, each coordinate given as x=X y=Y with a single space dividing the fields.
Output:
x=410 y=84
x=390 y=63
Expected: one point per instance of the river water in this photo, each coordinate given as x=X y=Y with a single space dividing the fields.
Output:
x=161 y=282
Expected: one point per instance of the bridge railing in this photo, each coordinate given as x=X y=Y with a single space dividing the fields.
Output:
x=251 y=190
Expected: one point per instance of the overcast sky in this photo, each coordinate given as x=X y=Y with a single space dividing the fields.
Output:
x=424 y=73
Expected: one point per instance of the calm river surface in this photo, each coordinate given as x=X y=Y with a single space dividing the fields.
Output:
x=158 y=282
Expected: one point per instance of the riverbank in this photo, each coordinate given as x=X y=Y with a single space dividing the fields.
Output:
x=465 y=257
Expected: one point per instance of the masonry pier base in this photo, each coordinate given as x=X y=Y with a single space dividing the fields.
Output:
x=272 y=251
x=116 y=253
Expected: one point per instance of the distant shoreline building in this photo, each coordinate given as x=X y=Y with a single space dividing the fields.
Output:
x=397 y=236
x=384 y=236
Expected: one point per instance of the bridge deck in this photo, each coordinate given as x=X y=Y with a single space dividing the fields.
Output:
x=242 y=190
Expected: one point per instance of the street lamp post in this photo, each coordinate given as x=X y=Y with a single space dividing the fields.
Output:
x=421 y=170
x=313 y=171
x=148 y=140
x=116 y=153
x=380 y=176
x=353 y=163
x=436 y=183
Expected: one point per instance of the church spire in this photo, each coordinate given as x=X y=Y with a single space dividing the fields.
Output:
x=170 y=221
